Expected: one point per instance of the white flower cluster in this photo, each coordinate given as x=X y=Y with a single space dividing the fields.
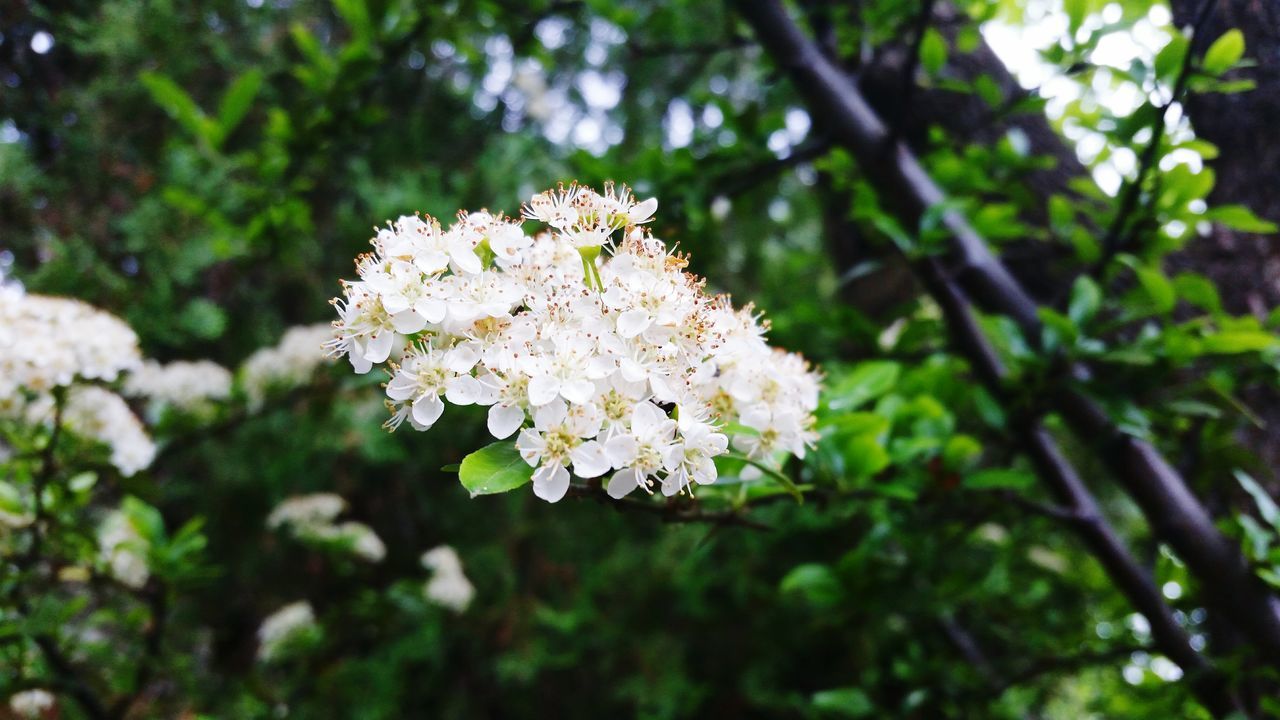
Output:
x=310 y=518
x=285 y=627
x=448 y=586
x=606 y=362
x=189 y=386
x=48 y=342
x=31 y=703
x=124 y=550
x=286 y=365
x=95 y=413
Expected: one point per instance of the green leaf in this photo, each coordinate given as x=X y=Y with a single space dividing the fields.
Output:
x=864 y=456
x=849 y=702
x=237 y=101
x=1239 y=217
x=178 y=104
x=1168 y=63
x=869 y=380
x=1085 y=299
x=1225 y=52
x=1267 y=507
x=145 y=519
x=495 y=468
x=1076 y=11
x=1157 y=286
x=933 y=51
x=356 y=14
x=815 y=583
x=1198 y=291
x=1238 y=341
x=203 y=319
x=995 y=478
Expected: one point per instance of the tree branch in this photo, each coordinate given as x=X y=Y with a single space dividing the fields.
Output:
x=1229 y=585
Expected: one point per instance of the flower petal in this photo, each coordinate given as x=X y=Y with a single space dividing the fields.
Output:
x=427 y=409
x=504 y=420
x=550 y=482
x=622 y=483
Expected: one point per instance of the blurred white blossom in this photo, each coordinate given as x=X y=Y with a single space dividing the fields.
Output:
x=48 y=342
x=124 y=549
x=283 y=628
x=31 y=703
x=98 y=414
x=189 y=386
x=310 y=518
x=448 y=586
x=287 y=365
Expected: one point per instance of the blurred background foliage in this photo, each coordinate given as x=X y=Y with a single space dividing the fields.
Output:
x=207 y=170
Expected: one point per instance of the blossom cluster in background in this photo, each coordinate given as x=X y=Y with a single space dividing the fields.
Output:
x=286 y=365
x=587 y=341
x=51 y=345
x=312 y=519
x=188 y=386
x=287 y=629
x=124 y=549
x=448 y=586
x=31 y=703
x=49 y=342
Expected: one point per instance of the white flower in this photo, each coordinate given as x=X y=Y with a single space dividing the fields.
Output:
x=364 y=542
x=31 y=703
x=420 y=381
x=700 y=443
x=448 y=586
x=646 y=448
x=283 y=628
x=555 y=441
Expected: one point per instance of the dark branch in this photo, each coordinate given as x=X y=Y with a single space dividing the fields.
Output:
x=1176 y=516
x=673 y=510
x=923 y=19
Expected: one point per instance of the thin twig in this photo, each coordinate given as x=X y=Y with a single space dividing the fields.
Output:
x=672 y=511
x=922 y=22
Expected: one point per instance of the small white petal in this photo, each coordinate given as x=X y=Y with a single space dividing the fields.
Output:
x=578 y=391
x=504 y=420
x=589 y=460
x=379 y=348
x=543 y=389
x=408 y=322
x=462 y=390
x=551 y=482
x=427 y=409
x=633 y=322
x=643 y=211
x=622 y=483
